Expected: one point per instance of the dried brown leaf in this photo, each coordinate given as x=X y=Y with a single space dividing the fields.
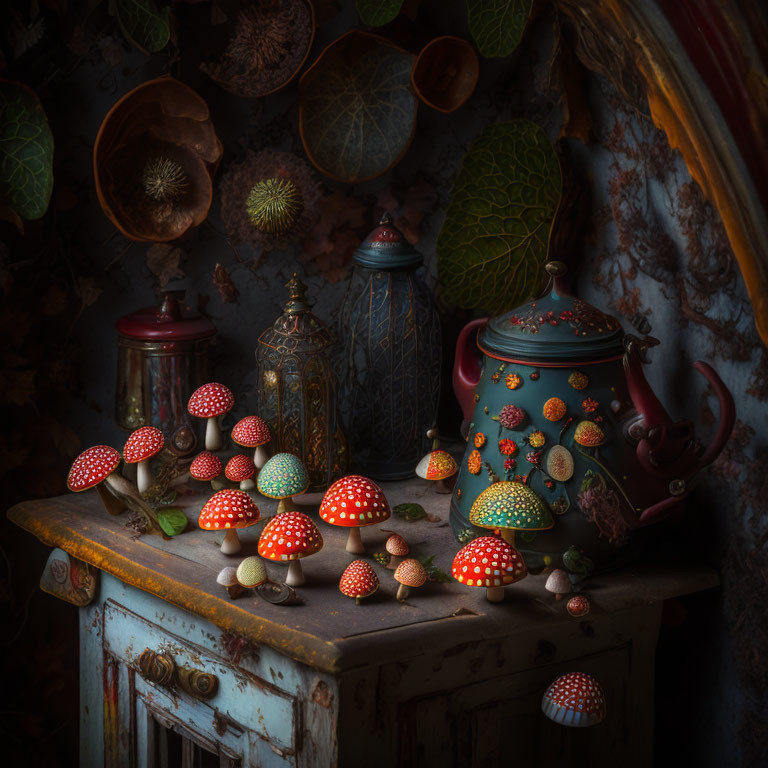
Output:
x=163 y=262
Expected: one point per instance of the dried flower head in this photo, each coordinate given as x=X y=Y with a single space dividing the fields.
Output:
x=475 y=462
x=507 y=447
x=164 y=179
x=273 y=205
x=537 y=439
x=510 y=416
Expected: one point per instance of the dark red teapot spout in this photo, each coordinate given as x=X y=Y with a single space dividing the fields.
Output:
x=668 y=449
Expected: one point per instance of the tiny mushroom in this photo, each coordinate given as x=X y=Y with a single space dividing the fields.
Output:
x=290 y=536
x=90 y=469
x=559 y=583
x=210 y=402
x=489 y=562
x=282 y=477
x=228 y=579
x=229 y=510
x=359 y=580
x=253 y=432
x=206 y=467
x=438 y=466
x=397 y=547
x=353 y=502
x=410 y=574
x=578 y=606
x=575 y=699
x=251 y=572
x=140 y=447
x=240 y=469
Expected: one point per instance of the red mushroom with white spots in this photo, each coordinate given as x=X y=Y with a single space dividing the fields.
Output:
x=240 y=469
x=253 y=432
x=289 y=537
x=397 y=548
x=229 y=510
x=489 y=562
x=211 y=402
x=576 y=700
x=359 y=580
x=90 y=469
x=353 y=502
x=139 y=448
x=206 y=467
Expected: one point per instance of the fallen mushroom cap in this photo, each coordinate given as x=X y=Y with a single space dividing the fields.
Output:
x=251 y=572
x=211 y=400
x=228 y=509
x=239 y=468
x=358 y=580
x=290 y=536
x=251 y=432
x=396 y=545
x=354 y=501
x=575 y=699
x=227 y=576
x=488 y=561
x=91 y=467
x=437 y=465
x=143 y=443
x=509 y=504
x=558 y=582
x=282 y=476
x=411 y=573
x=205 y=466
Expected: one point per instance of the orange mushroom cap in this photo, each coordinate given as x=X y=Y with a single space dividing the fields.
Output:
x=396 y=545
x=353 y=502
x=228 y=509
x=411 y=573
x=91 y=467
x=437 y=465
x=290 y=536
x=144 y=443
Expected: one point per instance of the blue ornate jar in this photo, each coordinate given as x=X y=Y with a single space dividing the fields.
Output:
x=389 y=361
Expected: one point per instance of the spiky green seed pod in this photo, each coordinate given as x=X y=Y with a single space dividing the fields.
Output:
x=274 y=205
x=164 y=179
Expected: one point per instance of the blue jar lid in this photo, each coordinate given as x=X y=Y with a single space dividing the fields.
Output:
x=387 y=248
x=555 y=328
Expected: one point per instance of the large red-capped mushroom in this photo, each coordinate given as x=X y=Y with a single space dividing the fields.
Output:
x=253 y=432
x=206 y=467
x=139 y=448
x=359 y=580
x=576 y=700
x=353 y=502
x=289 y=537
x=229 y=510
x=240 y=469
x=210 y=402
x=489 y=562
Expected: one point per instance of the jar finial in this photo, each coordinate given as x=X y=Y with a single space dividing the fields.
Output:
x=557 y=271
x=297 y=301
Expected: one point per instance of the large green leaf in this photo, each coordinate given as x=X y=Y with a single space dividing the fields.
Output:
x=493 y=244
x=497 y=25
x=357 y=110
x=142 y=23
x=172 y=520
x=377 y=13
x=26 y=152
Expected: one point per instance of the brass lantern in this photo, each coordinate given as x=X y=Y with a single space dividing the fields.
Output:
x=297 y=389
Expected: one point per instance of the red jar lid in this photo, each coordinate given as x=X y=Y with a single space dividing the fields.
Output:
x=165 y=323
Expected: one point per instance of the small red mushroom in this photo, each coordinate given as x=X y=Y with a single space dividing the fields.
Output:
x=253 y=432
x=90 y=469
x=206 y=467
x=576 y=700
x=240 y=469
x=489 y=562
x=353 y=502
x=359 y=580
x=229 y=510
x=290 y=536
x=210 y=402
x=397 y=547
x=139 y=448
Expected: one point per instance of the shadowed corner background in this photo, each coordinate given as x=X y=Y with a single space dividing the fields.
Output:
x=648 y=245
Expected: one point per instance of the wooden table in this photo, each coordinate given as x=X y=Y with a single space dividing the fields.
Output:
x=444 y=679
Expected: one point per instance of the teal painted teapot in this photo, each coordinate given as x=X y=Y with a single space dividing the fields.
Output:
x=554 y=396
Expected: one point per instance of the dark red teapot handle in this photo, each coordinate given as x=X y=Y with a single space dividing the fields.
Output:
x=467 y=366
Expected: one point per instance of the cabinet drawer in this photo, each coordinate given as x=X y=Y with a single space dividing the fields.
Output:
x=254 y=704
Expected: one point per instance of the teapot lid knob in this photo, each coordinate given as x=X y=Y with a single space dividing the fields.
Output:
x=556 y=268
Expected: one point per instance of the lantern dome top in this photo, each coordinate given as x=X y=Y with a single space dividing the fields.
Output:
x=387 y=248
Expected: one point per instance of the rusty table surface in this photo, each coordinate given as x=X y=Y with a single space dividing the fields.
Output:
x=330 y=632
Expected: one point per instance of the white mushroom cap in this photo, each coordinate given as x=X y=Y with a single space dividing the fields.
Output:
x=558 y=582
x=227 y=576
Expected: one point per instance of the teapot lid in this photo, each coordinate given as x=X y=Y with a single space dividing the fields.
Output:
x=168 y=322
x=387 y=248
x=555 y=327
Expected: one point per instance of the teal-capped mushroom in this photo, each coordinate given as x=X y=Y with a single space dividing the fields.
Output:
x=282 y=477
x=510 y=506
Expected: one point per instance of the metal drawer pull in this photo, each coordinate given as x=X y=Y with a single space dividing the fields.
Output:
x=161 y=668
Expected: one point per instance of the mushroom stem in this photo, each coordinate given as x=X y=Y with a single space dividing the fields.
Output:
x=231 y=544
x=286 y=505
x=445 y=485
x=494 y=594
x=403 y=592
x=508 y=534
x=247 y=484
x=234 y=590
x=558 y=596
x=394 y=561
x=260 y=456
x=128 y=494
x=295 y=576
x=181 y=479
x=144 y=477
x=213 y=441
x=112 y=504
x=355 y=542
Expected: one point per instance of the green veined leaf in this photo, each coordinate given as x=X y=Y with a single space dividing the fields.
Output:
x=143 y=24
x=410 y=512
x=497 y=25
x=172 y=520
x=377 y=13
x=494 y=241
x=26 y=153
